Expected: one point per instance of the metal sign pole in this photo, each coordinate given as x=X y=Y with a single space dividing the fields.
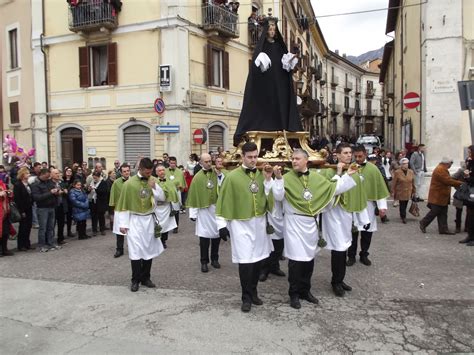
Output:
x=469 y=108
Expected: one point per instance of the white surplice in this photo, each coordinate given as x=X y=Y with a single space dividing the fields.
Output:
x=141 y=240
x=249 y=239
x=381 y=204
x=301 y=232
x=162 y=212
x=206 y=224
x=275 y=218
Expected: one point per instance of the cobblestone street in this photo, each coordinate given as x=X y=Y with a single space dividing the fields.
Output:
x=417 y=295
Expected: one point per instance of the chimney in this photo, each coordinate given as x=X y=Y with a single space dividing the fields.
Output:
x=336 y=51
x=344 y=55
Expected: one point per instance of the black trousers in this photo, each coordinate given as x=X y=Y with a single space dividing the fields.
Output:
x=97 y=216
x=81 y=228
x=59 y=213
x=24 y=230
x=69 y=220
x=5 y=233
x=458 y=219
x=470 y=222
x=249 y=274
x=436 y=211
x=204 y=246
x=272 y=263
x=176 y=217
x=299 y=277
x=338 y=266
x=120 y=241
x=365 y=239
x=403 y=209
x=141 y=270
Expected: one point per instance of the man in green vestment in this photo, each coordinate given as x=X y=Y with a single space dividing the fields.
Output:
x=175 y=175
x=135 y=217
x=115 y=192
x=377 y=193
x=164 y=209
x=241 y=207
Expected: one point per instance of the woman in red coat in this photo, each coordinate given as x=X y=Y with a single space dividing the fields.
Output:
x=5 y=197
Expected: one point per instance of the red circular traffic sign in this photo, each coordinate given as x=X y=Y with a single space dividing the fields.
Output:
x=159 y=106
x=200 y=136
x=411 y=100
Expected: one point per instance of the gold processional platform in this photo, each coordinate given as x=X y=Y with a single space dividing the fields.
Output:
x=276 y=148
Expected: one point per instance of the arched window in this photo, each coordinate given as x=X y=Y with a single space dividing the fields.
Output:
x=136 y=141
x=216 y=134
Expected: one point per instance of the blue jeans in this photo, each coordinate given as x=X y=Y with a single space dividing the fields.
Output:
x=35 y=215
x=46 y=220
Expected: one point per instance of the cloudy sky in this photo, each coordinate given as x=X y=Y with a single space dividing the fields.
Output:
x=352 y=34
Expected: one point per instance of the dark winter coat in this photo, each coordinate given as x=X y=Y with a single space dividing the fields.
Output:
x=80 y=205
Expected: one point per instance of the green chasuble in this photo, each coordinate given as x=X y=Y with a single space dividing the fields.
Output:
x=374 y=184
x=136 y=197
x=203 y=190
x=176 y=176
x=237 y=201
x=169 y=189
x=354 y=200
x=318 y=190
x=115 y=191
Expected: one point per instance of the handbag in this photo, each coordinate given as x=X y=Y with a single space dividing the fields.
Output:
x=15 y=215
x=465 y=193
x=414 y=209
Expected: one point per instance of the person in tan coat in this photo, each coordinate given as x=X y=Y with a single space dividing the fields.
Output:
x=403 y=187
x=440 y=196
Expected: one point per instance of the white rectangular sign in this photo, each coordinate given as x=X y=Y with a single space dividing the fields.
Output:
x=165 y=77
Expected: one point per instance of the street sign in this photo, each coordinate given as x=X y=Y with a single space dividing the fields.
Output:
x=159 y=106
x=411 y=100
x=466 y=94
x=167 y=129
x=200 y=136
x=165 y=77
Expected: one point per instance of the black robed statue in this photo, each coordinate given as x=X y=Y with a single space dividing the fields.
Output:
x=269 y=98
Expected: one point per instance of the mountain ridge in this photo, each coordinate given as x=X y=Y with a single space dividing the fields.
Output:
x=364 y=57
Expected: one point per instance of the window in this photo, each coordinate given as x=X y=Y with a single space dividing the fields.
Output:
x=14 y=113
x=217 y=67
x=98 y=65
x=370 y=84
x=333 y=99
x=136 y=142
x=216 y=137
x=13 y=45
x=346 y=101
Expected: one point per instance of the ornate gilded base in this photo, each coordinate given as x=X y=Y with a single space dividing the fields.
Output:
x=276 y=148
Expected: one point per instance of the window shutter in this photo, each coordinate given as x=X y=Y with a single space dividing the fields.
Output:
x=209 y=65
x=225 y=69
x=112 y=63
x=84 y=75
x=14 y=113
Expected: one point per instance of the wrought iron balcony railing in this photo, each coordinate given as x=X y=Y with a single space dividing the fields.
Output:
x=90 y=17
x=221 y=19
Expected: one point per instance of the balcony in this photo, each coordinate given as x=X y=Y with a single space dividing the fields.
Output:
x=217 y=18
x=254 y=34
x=86 y=17
x=318 y=74
x=357 y=90
x=370 y=92
x=390 y=92
x=323 y=80
x=348 y=112
x=358 y=112
x=348 y=87
x=334 y=81
x=335 y=109
x=371 y=112
x=309 y=107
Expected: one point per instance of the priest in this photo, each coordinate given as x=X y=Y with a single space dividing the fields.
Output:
x=241 y=208
x=164 y=209
x=135 y=218
x=305 y=194
x=269 y=98
x=176 y=176
x=201 y=204
x=115 y=192
x=349 y=209
x=377 y=193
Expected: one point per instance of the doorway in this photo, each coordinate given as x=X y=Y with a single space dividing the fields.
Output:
x=71 y=146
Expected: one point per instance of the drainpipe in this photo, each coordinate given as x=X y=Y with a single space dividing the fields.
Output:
x=45 y=83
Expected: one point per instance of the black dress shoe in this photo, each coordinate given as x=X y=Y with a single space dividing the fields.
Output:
x=310 y=298
x=148 y=283
x=94 y=234
x=295 y=302
x=204 y=268
x=338 y=290
x=164 y=244
x=422 y=227
x=470 y=244
x=82 y=237
x=135 y=286
x=365 y=260
x=466 y=240
x=22 y=249
x=246 y=307
x=175 y=231
x=102 y=232
x=118 y=253
x=263 y=277
x=404 y=220
x=256 y=301
x=215 y=264
x=7 y=253
x=458 y=229
x=447 y=232
x=350 y=261
x=345 y=286
x=278 y=272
